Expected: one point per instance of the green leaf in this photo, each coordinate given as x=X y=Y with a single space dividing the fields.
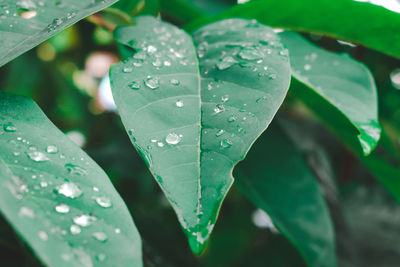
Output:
x=377 y=162
x=26 y=23
x=337 y=80
x=276 y=179
x=192 y=126
x=348 y=20
x=181 y=10
x=56 y=197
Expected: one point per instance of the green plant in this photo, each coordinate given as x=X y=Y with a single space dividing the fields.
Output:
x=195 y=91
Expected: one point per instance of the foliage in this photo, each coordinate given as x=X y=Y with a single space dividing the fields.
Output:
x=196 y=86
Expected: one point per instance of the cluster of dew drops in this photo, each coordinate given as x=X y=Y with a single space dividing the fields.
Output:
x=162 y=54
x=247 y=55
x=67 y=189
x=29 y=9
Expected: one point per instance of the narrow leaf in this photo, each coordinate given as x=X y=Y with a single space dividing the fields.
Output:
x=56 y=197
x=26 y=23
x=192 y=126
x=276 y=179
x=354 y=21
x=340 y=81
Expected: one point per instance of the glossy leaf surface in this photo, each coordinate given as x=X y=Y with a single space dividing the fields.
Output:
x=192 y=122
x=339 y=81
x=26 y=23
x=282 y=185
x=56 y=197
x=354 y=21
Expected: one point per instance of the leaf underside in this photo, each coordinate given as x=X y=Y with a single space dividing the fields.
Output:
x=26 y=23
x=56 y=197
x=192 y=122
x=340 y=81
x=276 y=179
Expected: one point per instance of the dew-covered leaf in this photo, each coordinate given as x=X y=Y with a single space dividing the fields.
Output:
x=356 y=21
x=276 y=179
x=337 y=80
x=56 y=197
x=192 y=122
x=26 y=23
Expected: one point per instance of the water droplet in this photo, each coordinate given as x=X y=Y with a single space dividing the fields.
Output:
x=135 y=85
x=157 y=63
x=226 y=63
x=51 y=149
x=167 y=63
x=219 y=108
x=38 y=156
x=260 y=99
x=117 y=230
x=283 y=52
x=231 y=118
x=226 y=143
x=43 y=184
x=100 y=236
x=173 y=139
x=179 y=54
x=151 y=49
x=220 y=132
x=160 y=144
x=152 y=82
x=75 y=169
x=179 y=103
x=26 y=212
x=95 y=189
x=70 y=190
x=175 y=82
x=75 y=229
x=54 y=25
x=225 y=98
x=62 y=208
x=84 y=220
x=9 y=127
x=103 y=202
x=127 y=69
x=307 y=67
x=250 y=53
x=43 y=235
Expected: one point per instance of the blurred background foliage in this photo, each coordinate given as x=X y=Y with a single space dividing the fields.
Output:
x=68 y=77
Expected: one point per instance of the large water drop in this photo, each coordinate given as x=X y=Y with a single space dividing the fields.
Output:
x=84 y=220
x=173 y=139
x=38 y=156
x=69 y=190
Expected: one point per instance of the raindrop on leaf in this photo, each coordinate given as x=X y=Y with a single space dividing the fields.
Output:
x=173 y=139
x=84 y=220
x=152 y=82
x=38 y=156
x=69 y=190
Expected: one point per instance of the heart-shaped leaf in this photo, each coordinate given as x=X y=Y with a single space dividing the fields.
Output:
x=26 y=23
x=193 y=125
x=337 y=80
x=276 y=179
x=56 y=197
